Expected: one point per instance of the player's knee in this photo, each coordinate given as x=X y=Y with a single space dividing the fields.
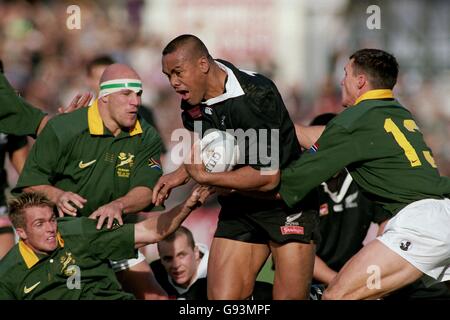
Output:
x=229 y=293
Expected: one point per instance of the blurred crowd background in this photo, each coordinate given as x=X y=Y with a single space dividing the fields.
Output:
x=301 y=44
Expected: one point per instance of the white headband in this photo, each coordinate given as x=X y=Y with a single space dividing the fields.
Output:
x=117 y=85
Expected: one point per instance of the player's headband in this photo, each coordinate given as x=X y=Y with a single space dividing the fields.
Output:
x=117 y=85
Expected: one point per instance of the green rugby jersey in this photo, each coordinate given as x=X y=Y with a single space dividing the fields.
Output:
x=76 y=152
x=25 y=275
x=380 y=144
x=16 y=115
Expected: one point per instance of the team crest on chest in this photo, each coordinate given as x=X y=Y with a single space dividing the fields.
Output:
x=125 y=162
x=66 y=261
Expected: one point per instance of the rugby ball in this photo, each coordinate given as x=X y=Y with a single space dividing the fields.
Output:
x=219 y=151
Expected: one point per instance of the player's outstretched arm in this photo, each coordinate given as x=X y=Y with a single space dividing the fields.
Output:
x=308 y=135
x=156 y=228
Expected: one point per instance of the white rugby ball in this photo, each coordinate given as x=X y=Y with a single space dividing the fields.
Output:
x=219 y=151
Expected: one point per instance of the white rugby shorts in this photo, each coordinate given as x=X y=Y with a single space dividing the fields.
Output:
x=420 y=233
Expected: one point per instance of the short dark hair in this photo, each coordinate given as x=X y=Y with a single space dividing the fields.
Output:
x=103 y=60
x=180 y=231
x=380 y=67
x=24 y=201
x=187 y=39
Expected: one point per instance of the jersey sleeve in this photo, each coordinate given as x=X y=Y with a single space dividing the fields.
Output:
x=147 y=167
x=5 y=293
x=116 y=243
x=336 y=150
x=16 y=115
x=42 y=162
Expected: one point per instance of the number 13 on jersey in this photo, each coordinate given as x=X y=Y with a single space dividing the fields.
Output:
x=400 y=138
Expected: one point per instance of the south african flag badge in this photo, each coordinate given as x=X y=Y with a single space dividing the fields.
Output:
x=314 y=148
x=154 y=164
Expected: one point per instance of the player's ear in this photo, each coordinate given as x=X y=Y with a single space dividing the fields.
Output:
x=104 y=99
x=203 y=64
x=21 y=233
x=197 y=253
x=361 y=80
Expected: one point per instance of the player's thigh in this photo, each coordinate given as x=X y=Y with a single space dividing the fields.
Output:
x=372 y=273
x=294 y=265
x=233 y=267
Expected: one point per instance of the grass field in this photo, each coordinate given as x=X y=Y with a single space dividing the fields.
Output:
x=266 y=273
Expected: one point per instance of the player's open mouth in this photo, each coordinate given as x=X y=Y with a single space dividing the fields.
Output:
x=184 y=94
x=178 y=275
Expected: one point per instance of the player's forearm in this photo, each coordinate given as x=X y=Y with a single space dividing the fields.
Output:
x=156 y=228
x=243 y=179
x=18 y=158
x=308 y=135
x=51 y=192
x=135 y=200
x=322 y=272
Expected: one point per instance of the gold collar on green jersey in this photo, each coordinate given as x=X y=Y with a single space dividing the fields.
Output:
x=96 y=123
x=375 y=94
x=29 y=256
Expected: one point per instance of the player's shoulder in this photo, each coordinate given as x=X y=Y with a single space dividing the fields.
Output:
x=71 y=124
x=145 y=125
x=149 y=132
x=11 y=262
x=367 y=111
x=252 y=82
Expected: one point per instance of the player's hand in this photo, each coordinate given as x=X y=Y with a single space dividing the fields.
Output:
x=68 y=202
x=166 y=183
x=79 y=101
x=110 y=211
x=198 y=196
x=195 y=167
